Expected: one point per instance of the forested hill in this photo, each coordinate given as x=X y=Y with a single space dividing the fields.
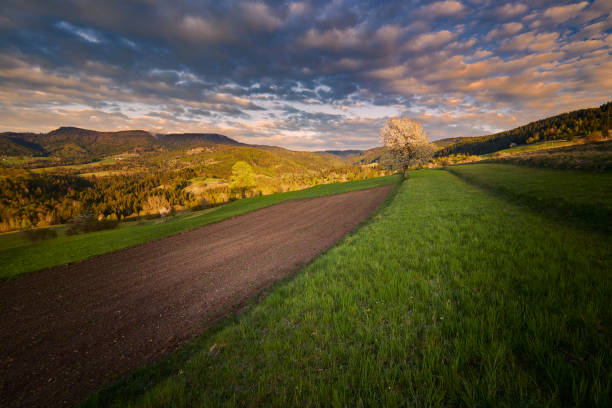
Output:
x=74 y=145
x=193 y=139
x=440 y=143
x=569 y=125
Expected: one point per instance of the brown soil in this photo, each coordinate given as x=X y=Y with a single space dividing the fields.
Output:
x=66 y=331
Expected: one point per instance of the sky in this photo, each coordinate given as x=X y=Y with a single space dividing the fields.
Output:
x=305 y=75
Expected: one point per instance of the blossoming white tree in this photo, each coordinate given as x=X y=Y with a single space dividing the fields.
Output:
x=406 y=142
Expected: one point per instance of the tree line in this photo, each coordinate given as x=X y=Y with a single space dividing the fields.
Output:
x=29 y=199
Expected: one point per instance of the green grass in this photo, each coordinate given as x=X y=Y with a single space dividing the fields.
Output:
x=574 y=196
x=531 y=148
x=18 y=256
x=450 y=296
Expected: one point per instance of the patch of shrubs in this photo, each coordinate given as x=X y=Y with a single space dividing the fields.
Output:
x=40 y=234
x=87 y=222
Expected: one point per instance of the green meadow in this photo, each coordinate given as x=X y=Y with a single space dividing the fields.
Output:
x=549 y=144
x=19 y=256
x=458 y=292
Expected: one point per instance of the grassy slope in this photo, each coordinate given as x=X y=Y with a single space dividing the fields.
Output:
x=576 y=196
x=449 y=296
x=17 y=256
x=552 y=144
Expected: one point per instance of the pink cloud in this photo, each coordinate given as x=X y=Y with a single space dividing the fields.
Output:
x=531 y=41
x=197 y=29
x=560 y=14
x=260 y=17
x=511 y=9
x=441 y=9
x=505 y=29
x=334 y=39
x=430 y=40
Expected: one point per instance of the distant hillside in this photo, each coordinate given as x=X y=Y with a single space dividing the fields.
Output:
x=342 y=153
x=305 y=160
x=184 y=139
x=16 y=146
x=365 y=157
x=70 y=145
x=565 y=126
x=93 y=152
x=448 y=141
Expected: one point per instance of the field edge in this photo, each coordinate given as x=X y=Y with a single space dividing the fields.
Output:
x=146 y=377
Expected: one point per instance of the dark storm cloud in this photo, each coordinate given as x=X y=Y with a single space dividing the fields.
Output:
x=190 y=65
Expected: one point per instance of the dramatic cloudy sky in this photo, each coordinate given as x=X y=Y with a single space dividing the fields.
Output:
x=305 y=74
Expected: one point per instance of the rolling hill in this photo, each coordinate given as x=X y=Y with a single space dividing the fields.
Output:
x=11 y=144
x=194 y=139
x=72 y=145
x=75 y=145
x=441 y=143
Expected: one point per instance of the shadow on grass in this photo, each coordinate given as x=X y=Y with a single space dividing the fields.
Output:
x=548 y=192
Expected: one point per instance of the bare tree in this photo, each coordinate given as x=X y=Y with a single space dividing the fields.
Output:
x=406 y=142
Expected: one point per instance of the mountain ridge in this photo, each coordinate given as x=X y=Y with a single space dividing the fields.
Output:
x=74 y=144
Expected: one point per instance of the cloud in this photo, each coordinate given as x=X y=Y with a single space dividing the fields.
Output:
x=389 y=73
x=260 y=17
x=298 y=8
x=303 y=74
x=6 y=23
x=389 y=34
x=531 y=41
x=560 y=14
x=352 y=38
x=86 y=34
x=430 y=40
x=504 y=30
x=197 y=29
x=441 y=9
x=583 y=47
x=346 y=64
x=228 y=99
x=511 y=10
x=597 y=29
x=334 y=39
